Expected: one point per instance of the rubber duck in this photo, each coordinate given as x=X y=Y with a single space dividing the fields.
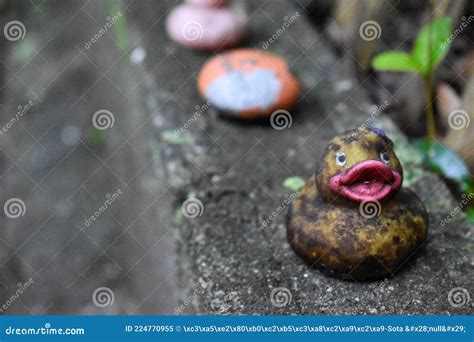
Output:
x=353 y=219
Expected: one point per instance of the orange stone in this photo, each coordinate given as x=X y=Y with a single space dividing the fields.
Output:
x=248 y=83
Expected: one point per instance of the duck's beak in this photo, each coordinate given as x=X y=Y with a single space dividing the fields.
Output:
x=366 y=181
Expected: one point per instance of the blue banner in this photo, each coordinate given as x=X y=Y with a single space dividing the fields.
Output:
x=236 y=328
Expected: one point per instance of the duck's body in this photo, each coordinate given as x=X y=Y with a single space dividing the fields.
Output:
x=338 y=239
x=352 y=218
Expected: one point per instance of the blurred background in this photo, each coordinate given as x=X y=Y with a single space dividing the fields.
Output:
x=94 y=176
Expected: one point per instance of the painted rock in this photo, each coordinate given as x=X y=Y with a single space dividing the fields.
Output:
x=206 y=28
x=352 y=218
x=208 y=3
x=248 y=83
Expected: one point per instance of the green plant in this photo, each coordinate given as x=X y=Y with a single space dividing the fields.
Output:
x=444 y=161
x=294 y=183
x=116 y=10
x=431 y=46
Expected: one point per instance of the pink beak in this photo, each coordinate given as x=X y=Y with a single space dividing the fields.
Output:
x=366 y=181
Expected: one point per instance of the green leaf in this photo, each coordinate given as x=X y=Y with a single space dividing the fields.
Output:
x=467 y=186
x=444 y=161
x=435 y=35
x=294 y=183
x=117 y=17
x=394 y=61
x=176 y=137
x=470 y=215
x=96 y=137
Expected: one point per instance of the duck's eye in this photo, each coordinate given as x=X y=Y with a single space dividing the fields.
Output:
x=384 y=157
x=340 y=158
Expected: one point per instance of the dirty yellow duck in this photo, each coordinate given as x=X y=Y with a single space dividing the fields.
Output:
x=352 y=218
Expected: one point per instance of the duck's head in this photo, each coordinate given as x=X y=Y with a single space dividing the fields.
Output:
x=359 y=165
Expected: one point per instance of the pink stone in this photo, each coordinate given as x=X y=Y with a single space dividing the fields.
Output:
x=208 y=3
x=206 y=28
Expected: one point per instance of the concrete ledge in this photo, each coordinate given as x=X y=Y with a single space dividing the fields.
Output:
x=237 y=171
